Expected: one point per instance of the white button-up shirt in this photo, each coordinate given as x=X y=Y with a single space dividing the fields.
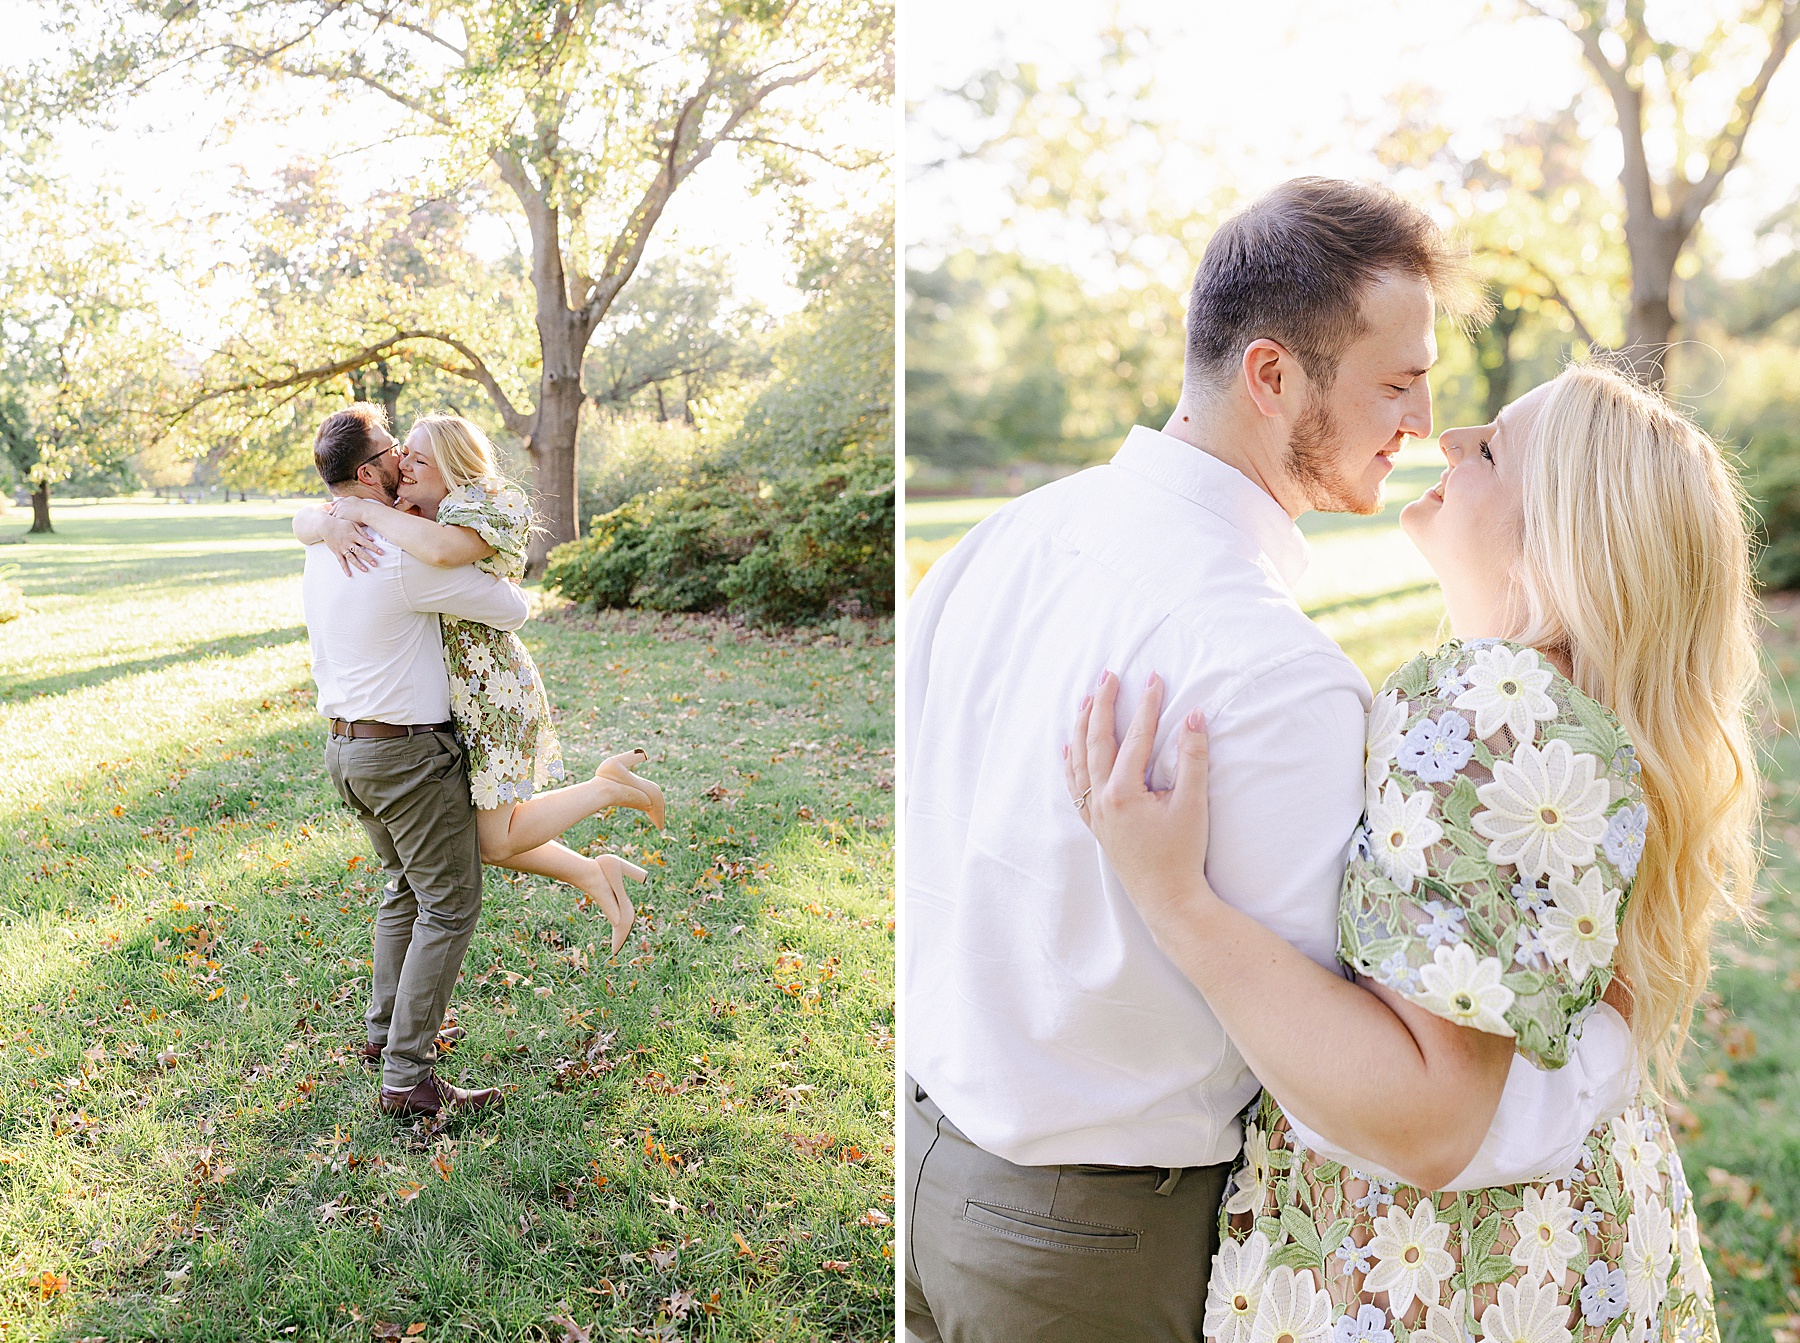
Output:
x=1040 y=1015
x=377 y=648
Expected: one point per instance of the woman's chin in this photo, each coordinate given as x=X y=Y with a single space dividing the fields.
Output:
x=1412 y=515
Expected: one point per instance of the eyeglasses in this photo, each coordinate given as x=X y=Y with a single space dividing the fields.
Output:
x=392 y=447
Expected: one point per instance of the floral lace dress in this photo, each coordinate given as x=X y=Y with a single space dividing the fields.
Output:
x=496 y=694
x=1503 y=827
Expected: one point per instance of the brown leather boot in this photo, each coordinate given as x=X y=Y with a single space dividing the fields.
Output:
x=447 y=1039
x=432 y=1095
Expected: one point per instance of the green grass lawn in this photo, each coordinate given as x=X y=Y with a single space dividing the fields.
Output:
x=697 y=1140
x=1739 y=1128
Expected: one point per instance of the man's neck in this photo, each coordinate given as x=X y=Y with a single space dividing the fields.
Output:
x=355 y=489
x=1241 y=443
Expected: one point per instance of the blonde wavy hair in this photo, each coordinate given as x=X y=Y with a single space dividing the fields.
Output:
x=464 y=454
x=1636 y=562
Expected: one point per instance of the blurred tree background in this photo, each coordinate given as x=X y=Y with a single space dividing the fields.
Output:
x=536 y=216
x=1044 y=325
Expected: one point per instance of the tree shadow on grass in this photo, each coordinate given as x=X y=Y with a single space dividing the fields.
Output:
x=46 y=577
x=267 y=897
x=16 y=688
x=83 y=529
x=240 y=1068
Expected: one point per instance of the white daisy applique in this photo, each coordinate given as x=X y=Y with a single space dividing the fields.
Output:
x=1446 y=1324
x=1292 y=1309
x=1252 y=1177
x=1649 y=1256
x=1466 y=989
x=1239 y=1271
x=1526 y=1313
x=1506 y=689
x=1400 y=830
x=1387 y=721
x=511 y=502
x=1580 y=929
x=1543 y=810
x=1410 y=1259
x=1693 y=1276
x=1547 y=1240
x=1637 y=1153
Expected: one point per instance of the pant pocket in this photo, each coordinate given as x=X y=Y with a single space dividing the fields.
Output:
x=1086 y=1236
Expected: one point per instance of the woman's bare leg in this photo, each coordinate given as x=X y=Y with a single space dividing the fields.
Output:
x=513 y=828
x=600 y=878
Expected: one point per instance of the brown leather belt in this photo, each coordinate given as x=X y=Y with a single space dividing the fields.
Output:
x=341 y=727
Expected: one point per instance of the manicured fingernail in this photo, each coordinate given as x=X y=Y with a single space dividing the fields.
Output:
x=1087 y=702
x=1065 y=750
x=1195 y=721
x=1101 y=679
x=1150 y=680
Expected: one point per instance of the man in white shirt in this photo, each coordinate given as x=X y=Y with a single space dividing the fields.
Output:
x=393 y=756
x=1072 y=1101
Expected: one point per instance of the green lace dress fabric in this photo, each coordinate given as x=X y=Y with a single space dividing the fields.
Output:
x=496 y=694
x=1503 y=826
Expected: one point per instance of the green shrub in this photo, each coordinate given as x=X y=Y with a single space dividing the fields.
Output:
x=818 y=546
x=665 y=551
x=833 y=553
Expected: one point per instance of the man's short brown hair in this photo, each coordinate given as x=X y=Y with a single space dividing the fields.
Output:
x=1294 y=266
x=345 y=441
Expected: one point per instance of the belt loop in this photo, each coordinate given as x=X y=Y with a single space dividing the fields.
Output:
x=1171 y=1178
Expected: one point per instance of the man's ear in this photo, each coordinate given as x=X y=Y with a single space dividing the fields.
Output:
x=1273 y=378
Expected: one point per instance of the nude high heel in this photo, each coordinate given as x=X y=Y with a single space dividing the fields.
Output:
x=613 y=868
x=649 y=799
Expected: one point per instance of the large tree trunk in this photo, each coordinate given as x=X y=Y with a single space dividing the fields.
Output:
x=390 y=398
x=1654 y=244
x=40 y=510
x=553 y=468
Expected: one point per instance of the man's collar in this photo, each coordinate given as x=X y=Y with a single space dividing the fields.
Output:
x=1222 y=490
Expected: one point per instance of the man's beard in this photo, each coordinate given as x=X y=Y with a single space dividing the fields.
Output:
x=390 y=478
x=1315 y=462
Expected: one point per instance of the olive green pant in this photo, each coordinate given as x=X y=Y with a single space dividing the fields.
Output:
x=998 y=1253
x=412 y=796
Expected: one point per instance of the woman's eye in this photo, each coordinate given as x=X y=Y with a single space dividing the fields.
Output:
x=1485 y=453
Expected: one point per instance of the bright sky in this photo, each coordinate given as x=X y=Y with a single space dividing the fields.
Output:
x=1265 y=90
x=173 y=153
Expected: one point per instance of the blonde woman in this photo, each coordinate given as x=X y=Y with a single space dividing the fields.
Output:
x=1561 y=803
x=464 y=512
